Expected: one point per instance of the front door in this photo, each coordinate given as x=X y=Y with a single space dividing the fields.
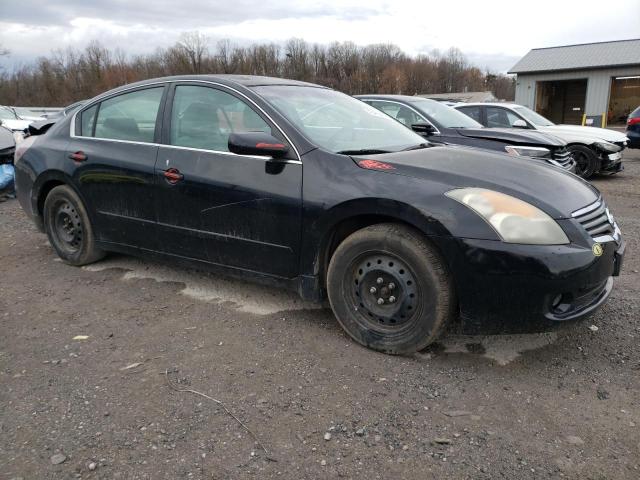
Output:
x=216 y=206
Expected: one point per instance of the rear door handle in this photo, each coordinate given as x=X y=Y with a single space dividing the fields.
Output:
x=173 y=175
x=78 y=156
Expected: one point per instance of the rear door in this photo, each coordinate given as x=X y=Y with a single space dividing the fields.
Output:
x=114 y=148
x=212 y=205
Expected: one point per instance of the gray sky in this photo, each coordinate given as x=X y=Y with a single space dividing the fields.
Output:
x=492 y=34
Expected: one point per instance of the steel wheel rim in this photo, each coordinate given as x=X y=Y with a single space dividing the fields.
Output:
x=384 y=292
x=67 y=227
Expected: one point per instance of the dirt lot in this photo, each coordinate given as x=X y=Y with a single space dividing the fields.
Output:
x=534 y=406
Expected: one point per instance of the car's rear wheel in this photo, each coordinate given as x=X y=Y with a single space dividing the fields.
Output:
x=587 y=162
x=68 y=227
x=390 y=289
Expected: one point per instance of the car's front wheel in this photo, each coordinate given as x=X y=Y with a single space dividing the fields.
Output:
x=390 y=289
x=587 y=162
x=68 y=227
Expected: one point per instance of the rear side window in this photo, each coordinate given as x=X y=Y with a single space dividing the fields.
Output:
x=473 y=112
x=130 y=116
x=204 y=117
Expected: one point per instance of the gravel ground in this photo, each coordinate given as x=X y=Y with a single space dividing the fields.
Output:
x=531 y=406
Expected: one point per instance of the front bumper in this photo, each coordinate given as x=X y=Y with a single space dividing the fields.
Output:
x=611 y=163
x=567 y=165
x=509 y=288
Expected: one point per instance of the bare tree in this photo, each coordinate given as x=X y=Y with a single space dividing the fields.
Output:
x=193 y=45
x=69 y=75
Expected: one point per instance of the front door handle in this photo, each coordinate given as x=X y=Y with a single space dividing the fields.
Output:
x=173 y=175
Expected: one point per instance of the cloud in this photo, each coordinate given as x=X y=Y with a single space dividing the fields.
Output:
x=188 y=14
x=493 y=35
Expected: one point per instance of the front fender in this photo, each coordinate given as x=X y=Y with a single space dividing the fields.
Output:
x=361 y=212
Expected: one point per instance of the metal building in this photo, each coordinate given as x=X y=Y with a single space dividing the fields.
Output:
x=594 y=83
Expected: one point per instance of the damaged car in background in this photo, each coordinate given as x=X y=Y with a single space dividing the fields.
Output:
x=11 y=120
x=438 y=123
x=300 y=186
x=596 y=150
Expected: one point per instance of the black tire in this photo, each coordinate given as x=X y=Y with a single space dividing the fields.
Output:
x=68 y=227
x=587 y=162
x=416 y=289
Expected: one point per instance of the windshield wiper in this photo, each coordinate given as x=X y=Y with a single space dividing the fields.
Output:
x=363 y=151
x=419 y=146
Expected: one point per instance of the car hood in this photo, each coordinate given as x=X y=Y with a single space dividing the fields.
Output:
x=16 y=124
x=513 y=136
x=575 y=133
x=554 y=191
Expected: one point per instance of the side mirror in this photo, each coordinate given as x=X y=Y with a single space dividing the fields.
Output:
x=423 y=128
x=257 y=143
x=519 y=124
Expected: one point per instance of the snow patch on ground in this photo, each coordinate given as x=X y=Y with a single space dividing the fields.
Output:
x=244 y=296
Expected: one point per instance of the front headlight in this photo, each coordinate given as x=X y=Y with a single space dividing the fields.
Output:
x=515 y=221
x=608 y=147
x=527 y=151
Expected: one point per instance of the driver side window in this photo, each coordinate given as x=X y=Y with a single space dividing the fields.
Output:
x=403 y=114
x=500 y=117
x=204 y=117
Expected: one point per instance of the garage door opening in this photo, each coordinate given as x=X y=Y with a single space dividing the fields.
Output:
x=561 y=101
x=624 y=98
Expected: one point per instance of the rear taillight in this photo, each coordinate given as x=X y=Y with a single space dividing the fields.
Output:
x=22 y=147
x=633 y=121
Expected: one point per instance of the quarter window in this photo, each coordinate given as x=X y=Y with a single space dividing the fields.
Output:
x=204 y=117
x=130 y=116
x=88 y=121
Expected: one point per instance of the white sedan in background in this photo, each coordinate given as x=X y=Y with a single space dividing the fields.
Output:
x=26 y=114
x=595 y=150
x=12 y=121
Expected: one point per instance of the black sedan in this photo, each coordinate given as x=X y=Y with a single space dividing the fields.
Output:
x=441 y=124
x=307 y=188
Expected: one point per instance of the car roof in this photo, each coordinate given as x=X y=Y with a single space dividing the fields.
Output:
x=225 y=79
x=487 y=104
x=406 y=98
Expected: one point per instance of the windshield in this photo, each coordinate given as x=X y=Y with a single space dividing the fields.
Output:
x=533 y=117
x=25 y=111
x=6 y=114
x=337 y=122
x=443 y=116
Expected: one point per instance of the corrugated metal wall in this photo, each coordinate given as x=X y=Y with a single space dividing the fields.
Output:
x=598 y=86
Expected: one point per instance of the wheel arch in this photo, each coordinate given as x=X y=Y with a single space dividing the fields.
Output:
x=46 y=182
x=344 y=219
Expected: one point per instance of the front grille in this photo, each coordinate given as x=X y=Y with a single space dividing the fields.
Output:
x=563 y=157
x=597 y=220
